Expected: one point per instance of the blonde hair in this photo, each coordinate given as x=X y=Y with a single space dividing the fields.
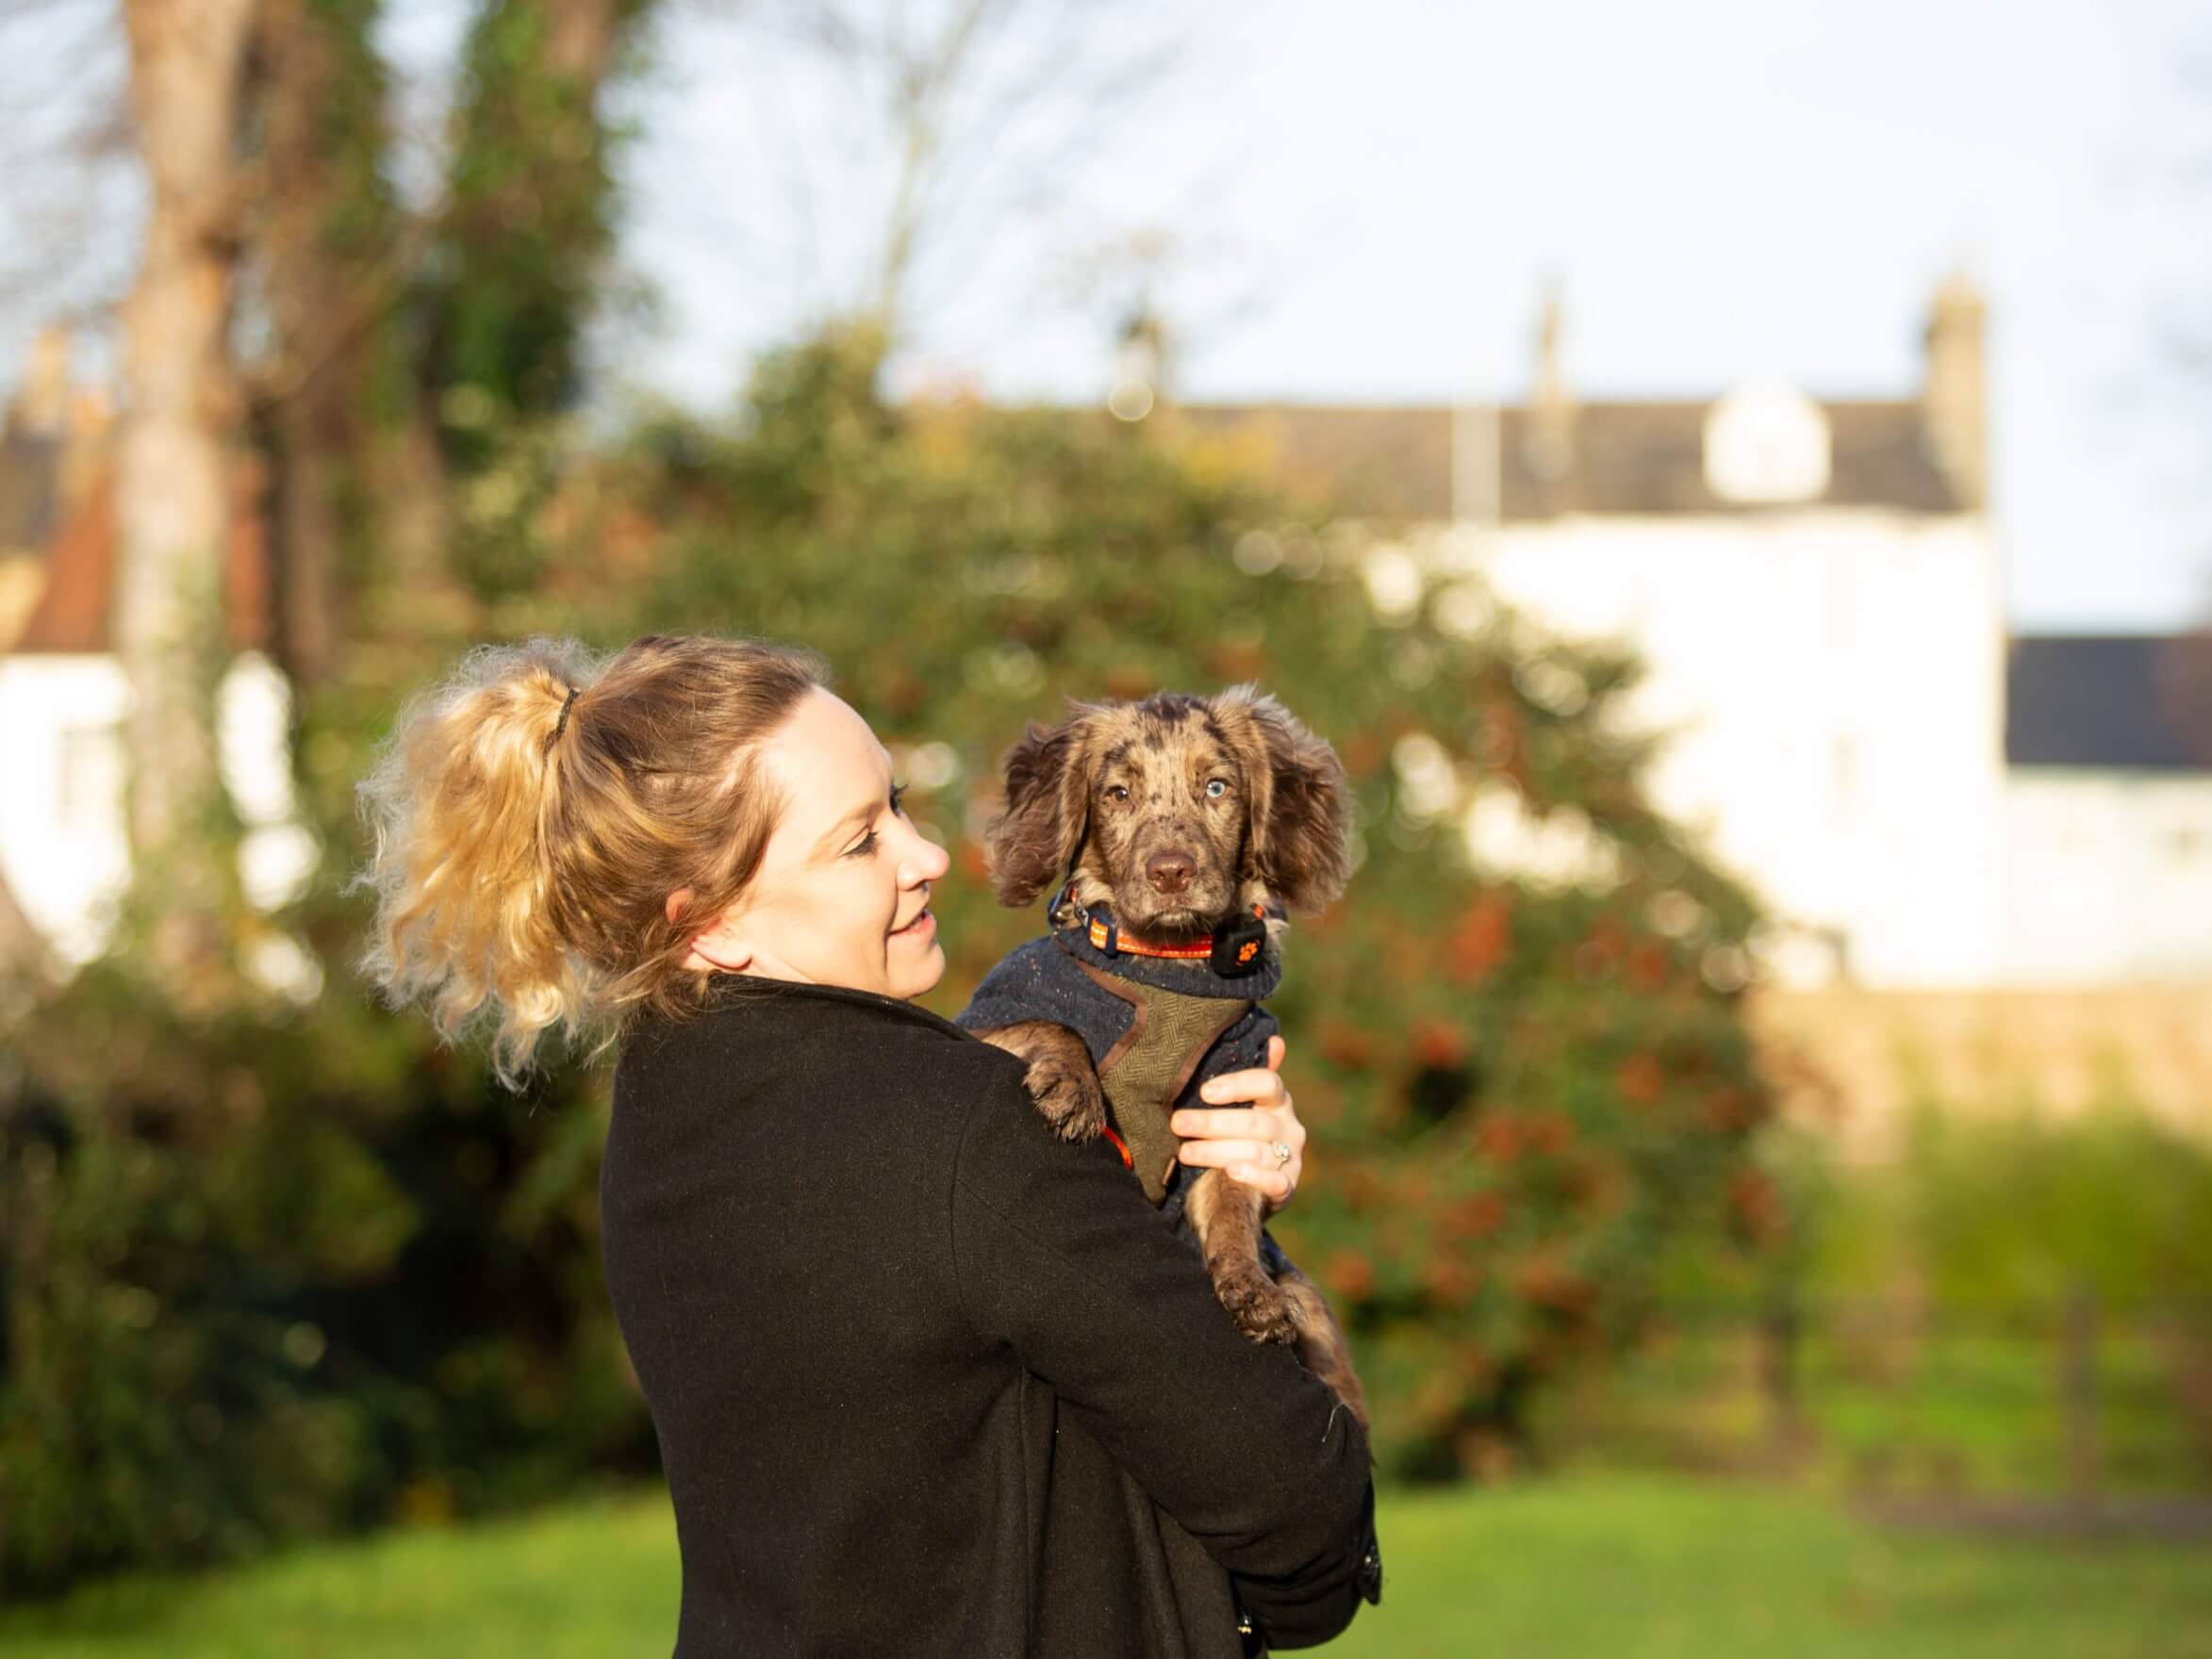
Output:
x=526 y=843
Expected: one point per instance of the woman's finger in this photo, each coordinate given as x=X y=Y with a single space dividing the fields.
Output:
x=1261 y=1086
x=1250 y=1123
x=1223 y=1122
x=1242 y=1140
x=1237 y=1160
x=1249 y=1163
x=1226 y=1154
x=1275 y=1187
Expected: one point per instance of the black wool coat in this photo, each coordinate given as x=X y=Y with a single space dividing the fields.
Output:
x=929 y=1381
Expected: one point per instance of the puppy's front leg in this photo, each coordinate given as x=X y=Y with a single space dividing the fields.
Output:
x=1224 y=1214
x=1061 y=1079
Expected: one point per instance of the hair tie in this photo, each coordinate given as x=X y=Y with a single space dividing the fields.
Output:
x=561 y=725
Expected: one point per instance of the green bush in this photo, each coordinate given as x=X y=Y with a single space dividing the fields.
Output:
x=2015 y=1204
x=271 y=1279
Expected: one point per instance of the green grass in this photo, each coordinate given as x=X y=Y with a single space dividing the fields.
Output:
x=1604 y=1565
x=1662 y=1569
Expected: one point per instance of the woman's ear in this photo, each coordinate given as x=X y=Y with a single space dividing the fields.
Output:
x=1031 y=843
x=1298 y=843
x=717 y=945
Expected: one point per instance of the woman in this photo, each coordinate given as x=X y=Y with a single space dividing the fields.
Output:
x=927 y=1380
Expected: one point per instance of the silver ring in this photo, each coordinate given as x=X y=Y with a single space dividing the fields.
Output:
x=1282 y=1153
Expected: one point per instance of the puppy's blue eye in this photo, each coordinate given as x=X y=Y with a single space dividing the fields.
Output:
x=1216 y=789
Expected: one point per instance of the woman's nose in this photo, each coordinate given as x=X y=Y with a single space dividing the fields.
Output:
x=926 y=861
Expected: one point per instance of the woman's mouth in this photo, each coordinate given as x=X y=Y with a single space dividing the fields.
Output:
x=920 y=927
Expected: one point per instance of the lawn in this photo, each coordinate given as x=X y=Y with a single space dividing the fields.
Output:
x=1595 y=1565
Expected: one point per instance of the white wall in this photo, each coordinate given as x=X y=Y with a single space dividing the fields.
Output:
x=64 y=845
x=62 y=842
x=2107 y=876
x=1836 y=680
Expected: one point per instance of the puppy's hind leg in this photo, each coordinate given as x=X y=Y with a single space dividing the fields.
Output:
x=1322 y=1348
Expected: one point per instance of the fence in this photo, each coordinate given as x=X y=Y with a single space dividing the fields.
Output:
x=2071 y=1398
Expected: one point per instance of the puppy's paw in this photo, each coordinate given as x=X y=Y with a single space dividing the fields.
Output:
x=1068 y=1094
x=1259 y=1307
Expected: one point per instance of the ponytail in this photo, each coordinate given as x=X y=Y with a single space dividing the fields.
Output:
x=531 y=813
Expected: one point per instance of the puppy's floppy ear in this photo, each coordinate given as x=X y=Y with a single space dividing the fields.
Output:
x=1047 y=801
x=1298 y=844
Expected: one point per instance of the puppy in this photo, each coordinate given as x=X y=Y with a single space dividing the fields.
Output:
x=1172 y=834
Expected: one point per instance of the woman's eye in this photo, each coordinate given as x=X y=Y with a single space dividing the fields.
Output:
x=868 y=842
x=1216 y=789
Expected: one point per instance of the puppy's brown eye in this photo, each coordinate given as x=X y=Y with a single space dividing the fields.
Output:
x=1117 y=791
x=1215 y=788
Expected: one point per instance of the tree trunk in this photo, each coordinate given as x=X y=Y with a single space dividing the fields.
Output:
x=580 y=40
x=173 y=485
x=320 y=306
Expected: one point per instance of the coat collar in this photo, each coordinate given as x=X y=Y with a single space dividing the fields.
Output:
x=738 y=992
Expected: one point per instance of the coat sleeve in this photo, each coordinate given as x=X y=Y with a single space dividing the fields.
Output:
x=1057 y=1254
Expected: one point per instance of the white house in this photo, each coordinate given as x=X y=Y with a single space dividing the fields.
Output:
x=1815 y=584
x=2107 y=868
x=64 y=850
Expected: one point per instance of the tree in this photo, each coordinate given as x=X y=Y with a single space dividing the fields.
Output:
x=326 y=241
x=173 y=482
x=907 y=166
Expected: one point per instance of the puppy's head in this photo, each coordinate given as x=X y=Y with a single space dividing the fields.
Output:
x=1174 y=812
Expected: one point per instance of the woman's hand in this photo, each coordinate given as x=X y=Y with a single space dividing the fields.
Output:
x=1241 y=1139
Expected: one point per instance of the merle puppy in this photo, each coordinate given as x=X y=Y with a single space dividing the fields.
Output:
x=1172 y=833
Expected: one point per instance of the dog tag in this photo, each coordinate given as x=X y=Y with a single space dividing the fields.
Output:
x=1237 y=948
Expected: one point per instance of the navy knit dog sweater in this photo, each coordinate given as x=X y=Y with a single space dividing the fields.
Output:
x=1196 y=1024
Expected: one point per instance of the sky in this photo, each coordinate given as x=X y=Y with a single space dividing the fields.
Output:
x=1331 y=204
x=1367 y=203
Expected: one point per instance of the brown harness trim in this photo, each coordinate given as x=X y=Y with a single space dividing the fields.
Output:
x=1137 y=1026
x=1108 y=982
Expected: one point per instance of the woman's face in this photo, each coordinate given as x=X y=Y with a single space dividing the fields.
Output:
x=842 y=894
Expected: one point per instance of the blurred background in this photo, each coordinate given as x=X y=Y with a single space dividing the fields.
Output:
x=1727 y=479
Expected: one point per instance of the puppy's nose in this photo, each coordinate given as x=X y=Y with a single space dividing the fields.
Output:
x=1168 y=872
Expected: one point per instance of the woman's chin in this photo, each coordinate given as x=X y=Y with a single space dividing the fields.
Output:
x=920 y=977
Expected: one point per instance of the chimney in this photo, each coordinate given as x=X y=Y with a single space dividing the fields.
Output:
x=1952 y=401
x=1140 y=366
x=41 y=402
x=1549 y=450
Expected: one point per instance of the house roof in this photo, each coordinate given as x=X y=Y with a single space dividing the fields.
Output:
x=2137 y=702
x=75 y=612
x=1397 y=463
